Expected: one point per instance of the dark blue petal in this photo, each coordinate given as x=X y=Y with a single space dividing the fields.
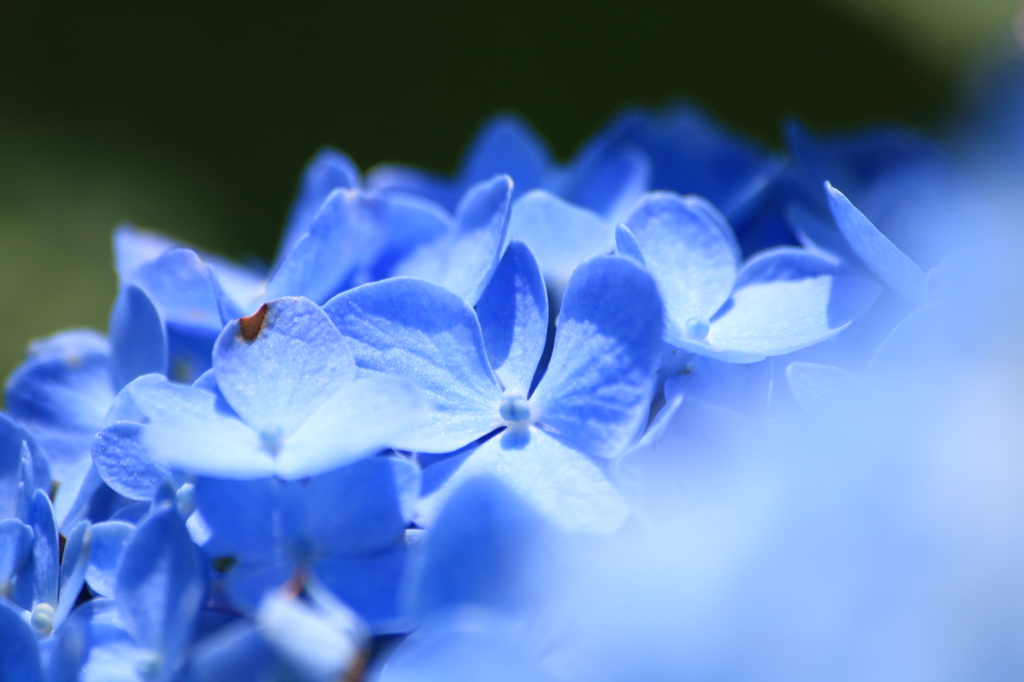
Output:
x=124 y=463
x=464 y=260
x=513 y=314
x=399 y=178
x=241 y=515
x=181 y=286
x=161 y=584
x=361 y=508
x=690 y=250
x=565 y=486
x=235 y=653
x=559 y=234
x=598 y=386
x=19 y=655
x=285 y=368
x=508 y=146
x=785 y=299
x=487 y=548
x=608 y=181
x=248 y=584
x=423 y=332
x=327 y=171
x=18 y=462
x=138 y=338
x=60 y=394
x=890 y=264
x=370 y=585
x=109 y=540
x=626 y=245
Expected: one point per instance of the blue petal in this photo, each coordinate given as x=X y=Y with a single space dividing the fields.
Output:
x=134 y=247
x=75 y=495
x=235 y=653
x=786 y=299
x=565 y=486
x=295 y=361
x=598 y=385
x=890 y=264
x=327 y=171
x=15 y=545
x=109 y=540
x=190 y=429
x=464 y=260
x=513 y=314
x=19 y=655
x=369 y=584
x=20 y=462
x=423 y=332
x=817 y=387
x=690 y=250
x=487 y=548
x=316 y=646
x=608 y=181
x=60 y=394
x=507 y=145
x=161 y=584
x=101 y=652
x=241 y=515
x=627 y=245
x=559 y=234
x=248 y=584
x=355 y=238
x=361 y=508
x=359 y=420
x=181 y=286
x=39 y=578
x=123 y=462
x=392 y=177
x=73 y=564
x=137 y=337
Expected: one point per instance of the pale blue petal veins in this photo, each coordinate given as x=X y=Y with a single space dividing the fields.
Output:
x=418 y=330
x=559 y=234
x=786 y=299
x=138 y=337
x=295 y=361
x=189 y=430
x=464 y=260
x=358 y=420
x=513 y=314
x=598 y=385
x=890 y=264
x=690 y=250
x=562 y=484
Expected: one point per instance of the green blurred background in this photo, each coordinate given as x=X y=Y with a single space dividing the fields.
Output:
x=195 y=118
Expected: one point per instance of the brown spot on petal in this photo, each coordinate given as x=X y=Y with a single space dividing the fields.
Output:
x=252 y=326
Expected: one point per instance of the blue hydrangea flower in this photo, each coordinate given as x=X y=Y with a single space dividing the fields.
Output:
x=287 y=402
x=778 y=301
x=479 y=371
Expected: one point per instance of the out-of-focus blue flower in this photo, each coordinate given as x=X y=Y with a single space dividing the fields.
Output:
x=478 y=369
x=287 y=402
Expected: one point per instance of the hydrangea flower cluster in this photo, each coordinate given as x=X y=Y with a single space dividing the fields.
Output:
x=405 y=449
